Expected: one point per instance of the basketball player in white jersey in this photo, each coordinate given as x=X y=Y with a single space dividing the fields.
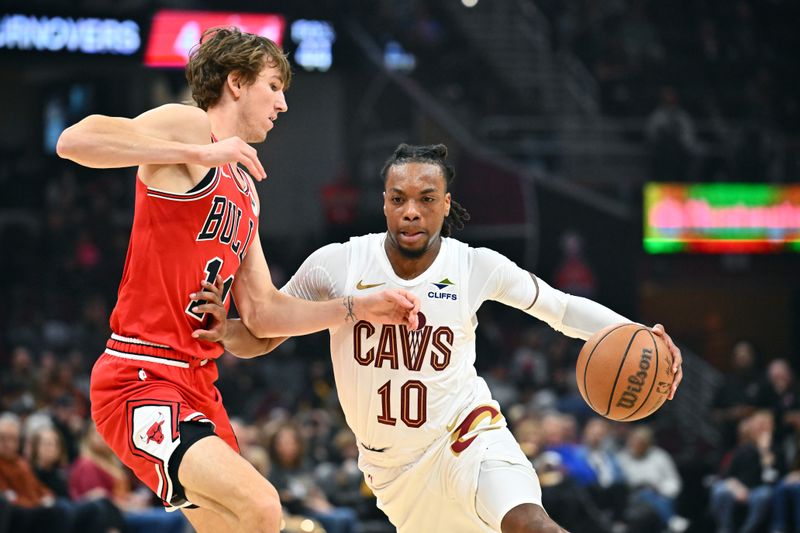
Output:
x=434 y=446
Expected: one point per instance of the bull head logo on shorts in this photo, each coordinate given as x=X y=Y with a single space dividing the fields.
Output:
x=154 y=433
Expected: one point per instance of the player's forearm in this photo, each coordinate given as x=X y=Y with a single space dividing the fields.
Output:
x=286 y=316
x=111 y=142
x=241 y=343
x=583 y=318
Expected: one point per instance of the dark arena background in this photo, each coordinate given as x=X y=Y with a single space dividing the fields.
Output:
x=642 y=153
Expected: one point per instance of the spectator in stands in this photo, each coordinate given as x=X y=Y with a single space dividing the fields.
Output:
x=781 y=395
x=48 y=457
x=737 y=396
x=608 y=490
x=292 y=476
x=652 y=477
x=573 y=274
x=566 y=501
x=670 y=133
x=32 y=505
x=786 y=501
x=748 y=478
x=344 y=486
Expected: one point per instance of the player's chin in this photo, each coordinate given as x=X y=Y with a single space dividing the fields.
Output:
x=413 y=252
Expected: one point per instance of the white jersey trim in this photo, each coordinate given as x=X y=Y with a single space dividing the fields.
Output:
x=151 y=359
x=132 y=340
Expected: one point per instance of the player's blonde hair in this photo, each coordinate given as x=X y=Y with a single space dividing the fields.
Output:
x=225 y=50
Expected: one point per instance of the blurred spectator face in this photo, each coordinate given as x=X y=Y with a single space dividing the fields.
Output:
x=553 y=430
x=669 y=97
x=779 y=375
x=345 y=442
x=48 y=451
x=761 y=423
x=595 y=432
x=744 y=356
x=287 y=446
x=639 y=441
x=21 y=360
x=96 y=443
x=9 y=439
x=529 y=435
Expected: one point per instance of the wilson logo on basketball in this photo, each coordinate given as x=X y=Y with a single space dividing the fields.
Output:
x=636 y=381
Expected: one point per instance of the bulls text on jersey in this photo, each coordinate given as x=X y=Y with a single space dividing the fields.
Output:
x=222 y=223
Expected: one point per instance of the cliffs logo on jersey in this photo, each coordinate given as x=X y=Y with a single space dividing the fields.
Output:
x=442 y=293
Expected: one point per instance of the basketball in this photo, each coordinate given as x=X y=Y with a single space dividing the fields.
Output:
x=624 y=372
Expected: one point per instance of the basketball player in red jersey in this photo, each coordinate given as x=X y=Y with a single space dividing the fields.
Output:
x=196 y=219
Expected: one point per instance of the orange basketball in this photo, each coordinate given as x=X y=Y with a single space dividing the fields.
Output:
x=624 y=372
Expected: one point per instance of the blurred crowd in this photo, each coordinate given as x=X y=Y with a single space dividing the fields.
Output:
x=57 y=475
x=677 y=63
x=713 y=73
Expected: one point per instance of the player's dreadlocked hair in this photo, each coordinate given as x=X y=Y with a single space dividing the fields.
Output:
x=435 y=154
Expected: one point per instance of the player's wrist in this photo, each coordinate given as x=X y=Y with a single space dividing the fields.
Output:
x=351 y=306
x=193 y=153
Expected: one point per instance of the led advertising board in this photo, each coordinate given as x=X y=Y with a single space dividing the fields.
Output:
x=721 y=218
x=173 y=33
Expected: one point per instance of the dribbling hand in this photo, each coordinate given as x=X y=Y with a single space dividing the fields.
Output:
x=232 y=150
x=677 y=359
x=210 y=301
x=393 y=306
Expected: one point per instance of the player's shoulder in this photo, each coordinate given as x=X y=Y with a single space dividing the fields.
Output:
x=486 y=256
x=369 y=241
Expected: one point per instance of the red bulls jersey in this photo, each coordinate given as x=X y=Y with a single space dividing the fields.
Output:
x=178 y=240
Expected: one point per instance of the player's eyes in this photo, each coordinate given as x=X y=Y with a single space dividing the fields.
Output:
x=396 y=199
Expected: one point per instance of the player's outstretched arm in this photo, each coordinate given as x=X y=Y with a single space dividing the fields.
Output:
x=167 y=135
x=267 y=312
x=231 y=333
x=574 y=316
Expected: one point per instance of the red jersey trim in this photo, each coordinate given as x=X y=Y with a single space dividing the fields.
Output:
x=186 y=197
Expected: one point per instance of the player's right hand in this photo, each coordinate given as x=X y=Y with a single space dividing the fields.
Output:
x=232 y=150
x=392 y=306
x=210 y=301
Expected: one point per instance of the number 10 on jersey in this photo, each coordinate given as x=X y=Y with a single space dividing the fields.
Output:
x=413 y=404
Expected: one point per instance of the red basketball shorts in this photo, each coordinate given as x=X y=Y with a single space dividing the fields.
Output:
x=139 y=402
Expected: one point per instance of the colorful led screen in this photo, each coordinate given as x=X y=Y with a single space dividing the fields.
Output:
x=174 y=33
x=721 y=218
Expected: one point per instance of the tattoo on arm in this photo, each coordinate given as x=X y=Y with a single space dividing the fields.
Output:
x=348 y=305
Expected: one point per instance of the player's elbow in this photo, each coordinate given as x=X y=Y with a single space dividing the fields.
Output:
x=72 y=141
x=67 y=142
x=257 y=324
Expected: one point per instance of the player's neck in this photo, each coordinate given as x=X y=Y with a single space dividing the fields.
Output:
x=410 y=267
x=223 y=122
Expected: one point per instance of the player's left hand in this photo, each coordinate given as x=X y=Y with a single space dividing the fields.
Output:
x=393 y=306
x=677 y=359
x=210 y=302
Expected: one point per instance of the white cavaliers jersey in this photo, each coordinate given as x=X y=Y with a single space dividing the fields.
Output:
x=401 y=390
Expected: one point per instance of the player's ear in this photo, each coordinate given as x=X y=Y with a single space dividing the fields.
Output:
x=234 y=83
x=447 y=201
